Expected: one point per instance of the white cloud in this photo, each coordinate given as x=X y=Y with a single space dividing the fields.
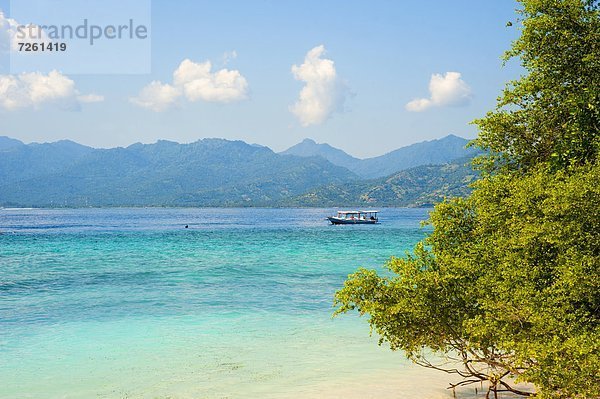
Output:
x=446 y=90
x=157 y=96
x=199 y=83
x=33 y=89
x=324 y=92
x=194 y=81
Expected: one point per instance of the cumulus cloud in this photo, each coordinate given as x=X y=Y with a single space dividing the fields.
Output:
x=323 y=93
x=157 y=96
x=194 y=82
x=199 y=83
x=445 y=90
x=33 y=89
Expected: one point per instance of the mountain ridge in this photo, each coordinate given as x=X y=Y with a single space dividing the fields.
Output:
x=207 y=172
x=308 y=147
x=437 y=151
x=163 y=173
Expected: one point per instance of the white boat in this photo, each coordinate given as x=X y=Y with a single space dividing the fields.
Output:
x=354 y=217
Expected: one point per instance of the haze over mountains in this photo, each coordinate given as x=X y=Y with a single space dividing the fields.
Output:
x=217 y=172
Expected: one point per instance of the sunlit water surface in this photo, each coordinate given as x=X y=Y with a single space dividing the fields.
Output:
x=127 y=303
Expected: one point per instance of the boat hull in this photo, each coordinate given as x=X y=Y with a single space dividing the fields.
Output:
x=335 y=220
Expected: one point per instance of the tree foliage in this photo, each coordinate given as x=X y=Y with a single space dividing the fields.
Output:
x=552 y=114
x=507 y=286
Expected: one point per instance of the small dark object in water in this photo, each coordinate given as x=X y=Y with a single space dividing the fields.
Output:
x=186 y=226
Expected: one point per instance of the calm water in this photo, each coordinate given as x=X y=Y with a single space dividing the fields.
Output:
x=127 y=303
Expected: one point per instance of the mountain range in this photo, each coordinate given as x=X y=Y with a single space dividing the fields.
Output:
x=432 y=152
x=218 y=172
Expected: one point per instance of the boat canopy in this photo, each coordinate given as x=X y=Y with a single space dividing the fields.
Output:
x=355 y=217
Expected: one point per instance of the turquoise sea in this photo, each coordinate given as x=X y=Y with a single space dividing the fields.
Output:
x=127 y=303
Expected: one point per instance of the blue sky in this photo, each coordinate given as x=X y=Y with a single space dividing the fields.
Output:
x=358 y=65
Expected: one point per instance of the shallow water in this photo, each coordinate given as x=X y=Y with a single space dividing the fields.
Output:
x=127 y=303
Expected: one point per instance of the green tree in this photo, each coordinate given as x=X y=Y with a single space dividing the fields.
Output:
x=551 y=114
x=507 y=286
